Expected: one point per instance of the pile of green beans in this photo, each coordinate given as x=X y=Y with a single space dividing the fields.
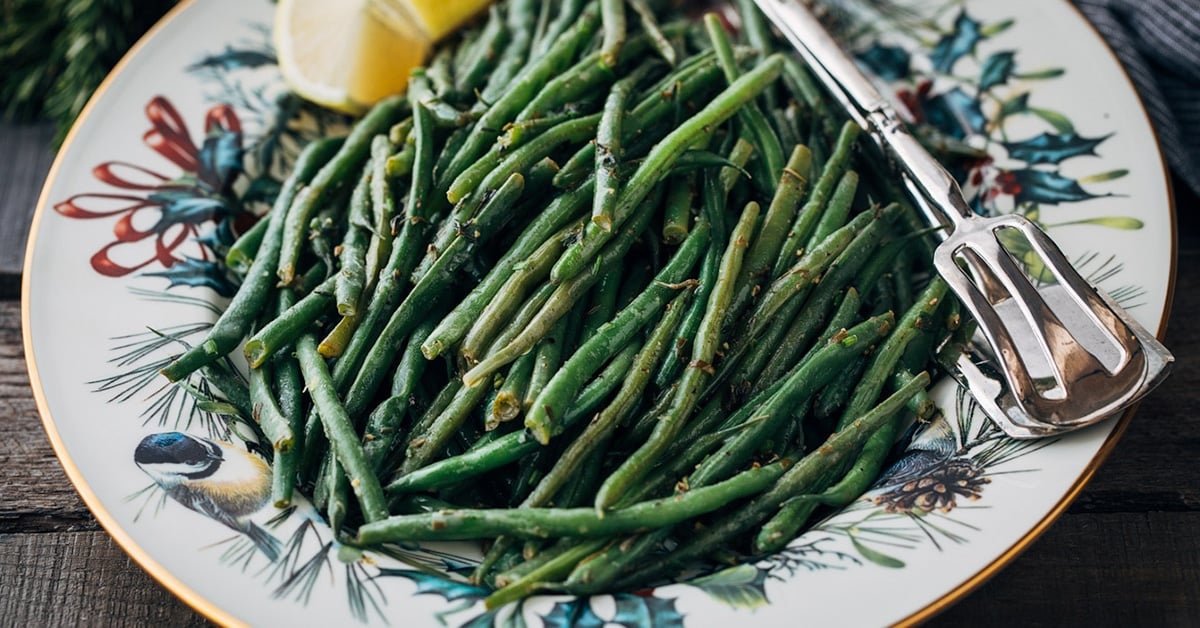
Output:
x=594 y=286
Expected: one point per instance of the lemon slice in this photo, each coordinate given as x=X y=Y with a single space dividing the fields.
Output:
x=347 y=55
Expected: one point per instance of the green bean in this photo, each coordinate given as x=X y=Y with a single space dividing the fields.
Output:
x=509 y=401
x=241 y=253
x=806 y=273
x=266 y=411
x=831 y=454
x=715 y=191
x=660 y=158
x=520 y=90
x=548 y=356
x=657 y=37
x=809 y=215
x=426 y=294
x=609 y=152
x=677 y=215
x=600 y=429
x=515 y=56
x=532 y=272
x=568 y=12
x=802 y=382
x=761 y=256
x=612 y=12
x=751 y=117
x=349 y=158
x=512 y=446
x=452 y=328
x=351 y=279
x=383 y=212
x=542 y=420
x=824 y=296
x=838 y=208
x=290 y=325
x=483 y=54
x=537 y=578
x=383 y=424
x=604 y=298
x=686 y=82
x=229 y=329
x=340 y=430
x=564 y=297
x=434 y=436
x=498 y=164
x=708 y=338
x=540 y=523
x=289 y=385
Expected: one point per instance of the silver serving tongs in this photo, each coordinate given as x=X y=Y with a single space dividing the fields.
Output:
x=1063 y=355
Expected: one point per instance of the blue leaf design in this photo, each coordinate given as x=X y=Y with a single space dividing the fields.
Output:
x=1014 y=105
x=482 y=620
x=890 y=63
x=961 y=41
x=955 y=113
x=449 y=590
x=738 y=587
x=1044 y=186
x=197 y=273
x=574 y=613
x=233 y=59
x=634 y=611
x=1052 y=148
x=997 y=69
x=262 y=189
x=221 y=158
x=186 y=207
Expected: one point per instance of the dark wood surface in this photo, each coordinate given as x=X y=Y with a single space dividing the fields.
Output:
x=1127 y=552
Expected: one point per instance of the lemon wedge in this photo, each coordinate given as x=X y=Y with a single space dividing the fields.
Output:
x=347 y=55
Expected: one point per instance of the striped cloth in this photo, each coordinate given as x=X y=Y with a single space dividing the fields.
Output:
x=1158 y=41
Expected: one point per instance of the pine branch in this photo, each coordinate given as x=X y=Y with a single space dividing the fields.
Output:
x=56 y=52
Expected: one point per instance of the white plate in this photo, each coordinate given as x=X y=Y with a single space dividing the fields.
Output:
x=1076 y=152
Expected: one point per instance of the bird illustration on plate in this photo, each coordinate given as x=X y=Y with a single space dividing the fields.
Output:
x=217 y=479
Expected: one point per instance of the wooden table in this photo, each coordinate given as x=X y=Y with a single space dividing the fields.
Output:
x=1127 y=552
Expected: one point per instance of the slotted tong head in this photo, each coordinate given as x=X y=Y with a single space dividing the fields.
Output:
x=1060 y=354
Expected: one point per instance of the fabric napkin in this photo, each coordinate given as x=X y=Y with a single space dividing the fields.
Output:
x=1158 y=42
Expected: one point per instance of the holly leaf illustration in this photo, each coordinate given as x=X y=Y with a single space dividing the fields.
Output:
x=889 y=63
x=482 y=620
x=196 y=273
x=186 y=207
x=448 y=590
x=1046 y=186
x=634 y=611
x=1016 y=104
x=955 y=113
x=997 y=69
x=574 y=613
x=262 y=189
x=221 y=157
x=233 y=59
x=1052 y=148
x=738 y=587
x=954 y=45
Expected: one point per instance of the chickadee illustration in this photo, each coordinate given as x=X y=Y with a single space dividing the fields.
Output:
x=214 y=478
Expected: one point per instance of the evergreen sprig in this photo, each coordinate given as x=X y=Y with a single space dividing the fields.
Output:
x=56 y=52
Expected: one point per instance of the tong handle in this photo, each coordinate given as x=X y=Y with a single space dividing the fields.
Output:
x=874 y=113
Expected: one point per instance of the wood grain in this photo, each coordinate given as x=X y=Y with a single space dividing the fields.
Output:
x=26 y=159
x=81 y=579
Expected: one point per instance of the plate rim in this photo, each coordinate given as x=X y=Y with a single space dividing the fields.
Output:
x=225 y=617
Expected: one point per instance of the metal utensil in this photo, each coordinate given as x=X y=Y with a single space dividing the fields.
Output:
x=1063 y=355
